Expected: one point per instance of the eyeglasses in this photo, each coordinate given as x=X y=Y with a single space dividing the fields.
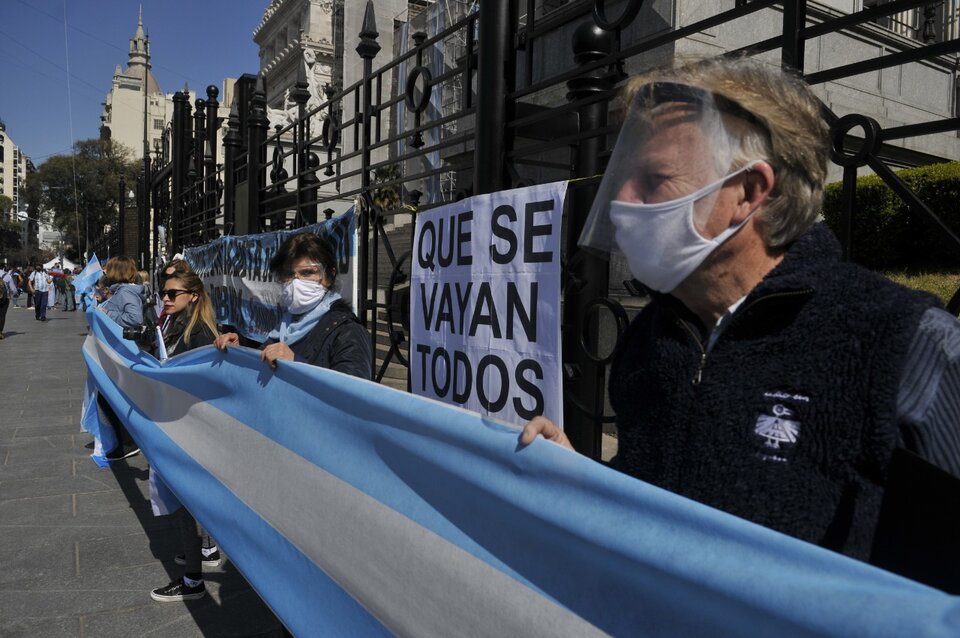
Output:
x=172 y=293
x=313 y=271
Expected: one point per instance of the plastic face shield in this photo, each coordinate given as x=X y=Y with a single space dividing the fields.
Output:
x=674 y=142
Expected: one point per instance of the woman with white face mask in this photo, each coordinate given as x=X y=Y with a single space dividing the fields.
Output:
x=317 y=326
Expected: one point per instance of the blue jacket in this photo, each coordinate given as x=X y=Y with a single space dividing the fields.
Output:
x=125 y=306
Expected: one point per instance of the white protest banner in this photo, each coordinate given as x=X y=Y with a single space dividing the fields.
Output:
x=485 y=304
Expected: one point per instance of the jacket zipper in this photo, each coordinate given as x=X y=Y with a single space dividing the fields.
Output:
x=698 y=376
x=703 y=351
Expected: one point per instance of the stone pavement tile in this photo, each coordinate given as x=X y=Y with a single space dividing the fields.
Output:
x=105 y=576
x=36 y=511
x=38 y=536
x=65 y=443
x=32 y=559
x=52 y=436
x=233 y=610
x=69 y=417
x=122 y=551
x=29 y=627
x=93 y=506
x=64 y=468
x=56 y=603
x=38 y=487
x=26 y=452
x=61 y=401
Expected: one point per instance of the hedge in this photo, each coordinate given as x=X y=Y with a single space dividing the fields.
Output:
x=886 y=234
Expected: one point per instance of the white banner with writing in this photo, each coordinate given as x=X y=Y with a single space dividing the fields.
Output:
x=485 y=304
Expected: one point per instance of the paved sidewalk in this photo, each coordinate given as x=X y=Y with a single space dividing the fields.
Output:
x=80 y=549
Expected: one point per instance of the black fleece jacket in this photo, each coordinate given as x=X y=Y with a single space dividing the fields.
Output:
x=790 y=419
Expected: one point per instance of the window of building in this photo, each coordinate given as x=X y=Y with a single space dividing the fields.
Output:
x=158 y=124
x=935 y=22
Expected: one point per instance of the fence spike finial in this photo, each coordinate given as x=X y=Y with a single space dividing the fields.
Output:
x=368 y=46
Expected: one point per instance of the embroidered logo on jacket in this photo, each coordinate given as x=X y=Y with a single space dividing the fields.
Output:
x=779 y=428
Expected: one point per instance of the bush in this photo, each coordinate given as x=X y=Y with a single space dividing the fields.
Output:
x=886 y=234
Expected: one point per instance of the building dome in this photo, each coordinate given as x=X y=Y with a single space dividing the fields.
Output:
x=136 y=72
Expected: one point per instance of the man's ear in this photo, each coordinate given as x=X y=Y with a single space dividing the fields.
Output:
x=758 y=183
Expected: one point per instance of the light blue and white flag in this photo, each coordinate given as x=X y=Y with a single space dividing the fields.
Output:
x=358 y=510
x=85 y=281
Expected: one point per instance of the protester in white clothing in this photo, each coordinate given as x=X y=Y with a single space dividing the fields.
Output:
x=40 y=282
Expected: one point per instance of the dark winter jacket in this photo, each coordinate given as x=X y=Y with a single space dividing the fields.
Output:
x=173 y=339
x=790 y=419
x=338 y=342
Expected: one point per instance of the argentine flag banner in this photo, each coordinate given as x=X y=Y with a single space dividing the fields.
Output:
x=86 y=280
x=358 y=510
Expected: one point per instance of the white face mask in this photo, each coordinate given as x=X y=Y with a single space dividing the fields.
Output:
x=302 y=296
x=660 y=242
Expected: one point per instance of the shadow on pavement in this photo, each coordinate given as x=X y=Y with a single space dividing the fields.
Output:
x=236 y=610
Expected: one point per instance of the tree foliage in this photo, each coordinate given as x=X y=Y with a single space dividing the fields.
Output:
x=5 y=204
x=9 y=236
x=80 y=192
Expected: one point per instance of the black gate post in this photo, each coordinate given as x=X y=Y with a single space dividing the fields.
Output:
x=122 y=212
x=211 y=200
x=300 y=95
x=368 y=48
x=181 y=105
x=493 y=73
x=794 y=21
x=143 y=213
x=231 y=142
x=584 y=378
x=256 y=139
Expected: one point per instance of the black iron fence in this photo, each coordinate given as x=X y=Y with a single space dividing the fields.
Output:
x=510 y=93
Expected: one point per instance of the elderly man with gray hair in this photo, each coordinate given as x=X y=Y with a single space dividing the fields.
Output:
x=766 y=377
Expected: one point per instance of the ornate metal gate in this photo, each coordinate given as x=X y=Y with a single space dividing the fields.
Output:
x=524 y=94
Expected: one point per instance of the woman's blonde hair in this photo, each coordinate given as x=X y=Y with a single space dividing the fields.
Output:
x=202 y=309
x=789 y=133
x=120 y=270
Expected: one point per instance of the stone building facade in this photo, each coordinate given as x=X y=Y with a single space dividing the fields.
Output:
x=123 y=113
x=14 y=166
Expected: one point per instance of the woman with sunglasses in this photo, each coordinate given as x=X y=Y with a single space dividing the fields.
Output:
x=317 y=326
x=188 y=323
x=188 y=319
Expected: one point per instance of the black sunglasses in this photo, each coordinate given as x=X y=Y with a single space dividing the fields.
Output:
x=172 y=293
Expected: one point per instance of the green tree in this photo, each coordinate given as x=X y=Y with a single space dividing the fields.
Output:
x=80 y=192
x=9 y=229
x=9 y=237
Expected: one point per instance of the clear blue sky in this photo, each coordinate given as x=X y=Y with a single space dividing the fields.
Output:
x=199 y=42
